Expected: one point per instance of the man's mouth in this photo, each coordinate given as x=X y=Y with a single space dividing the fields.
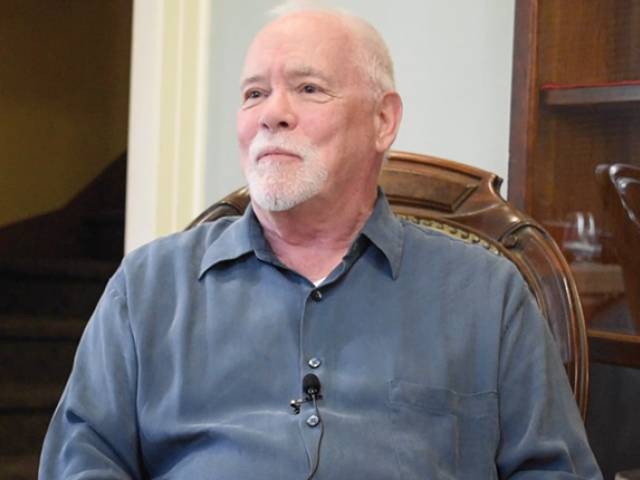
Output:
x=270 y=152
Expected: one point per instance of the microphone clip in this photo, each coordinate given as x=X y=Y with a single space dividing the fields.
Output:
x=311 y=387
x=296 y=404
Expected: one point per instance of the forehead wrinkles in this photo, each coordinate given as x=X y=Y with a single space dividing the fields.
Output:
x=320 y=41
x=333 y=66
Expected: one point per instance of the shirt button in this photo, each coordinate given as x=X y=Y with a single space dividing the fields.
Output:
x=314 y=362
x=316 y=295
x=313 y=420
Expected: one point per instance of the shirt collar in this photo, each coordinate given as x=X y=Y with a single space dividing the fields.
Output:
x=234 y=242
x=245 y=235
x=385 y=231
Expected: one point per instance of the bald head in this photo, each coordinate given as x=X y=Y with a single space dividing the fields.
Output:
x=362 y=45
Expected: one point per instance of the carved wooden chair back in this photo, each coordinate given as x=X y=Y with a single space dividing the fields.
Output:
x=464 y=202
x=620 y=192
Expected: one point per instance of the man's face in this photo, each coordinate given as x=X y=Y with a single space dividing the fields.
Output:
x=306 y=123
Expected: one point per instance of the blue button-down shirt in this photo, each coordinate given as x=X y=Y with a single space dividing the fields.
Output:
x=434 y=363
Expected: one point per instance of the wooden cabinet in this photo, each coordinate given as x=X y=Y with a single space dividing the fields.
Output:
x=576 y=105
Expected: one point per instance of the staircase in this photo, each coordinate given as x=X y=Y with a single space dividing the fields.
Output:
x=46 y=298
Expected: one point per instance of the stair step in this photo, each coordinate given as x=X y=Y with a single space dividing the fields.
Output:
x=75 y=297
x=27 y=397
x=35 y=362
x=106 y=216
x=44 y=307
x=19 y=467
x=103 y=235
x=46 y=297
x=52 y=287
x=58 y=268
x=22 y=326
x=26 y=431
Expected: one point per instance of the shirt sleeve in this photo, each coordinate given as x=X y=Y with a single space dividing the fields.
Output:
x=94 y=430
x=542 y=434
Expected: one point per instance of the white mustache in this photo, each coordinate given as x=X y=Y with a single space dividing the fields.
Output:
x=263 y=143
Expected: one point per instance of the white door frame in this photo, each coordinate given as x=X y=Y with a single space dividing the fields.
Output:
x=170 y=78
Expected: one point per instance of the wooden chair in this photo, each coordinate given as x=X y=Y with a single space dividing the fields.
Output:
x=620 y=193
x=464 y=202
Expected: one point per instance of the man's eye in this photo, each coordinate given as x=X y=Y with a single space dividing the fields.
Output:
x=252 y=94
x=308 y=88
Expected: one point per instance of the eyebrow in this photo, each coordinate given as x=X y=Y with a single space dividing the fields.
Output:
x=251 y=79
x=297 y=72
x=307 y=71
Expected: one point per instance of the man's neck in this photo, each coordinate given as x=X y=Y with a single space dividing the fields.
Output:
x=313 y=237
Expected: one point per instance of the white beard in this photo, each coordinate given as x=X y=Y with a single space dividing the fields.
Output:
x=279 y=186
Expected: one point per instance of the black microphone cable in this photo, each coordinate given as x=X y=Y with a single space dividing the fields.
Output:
x=311 y=386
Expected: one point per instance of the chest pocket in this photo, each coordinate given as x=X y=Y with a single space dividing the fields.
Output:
x=441 y=434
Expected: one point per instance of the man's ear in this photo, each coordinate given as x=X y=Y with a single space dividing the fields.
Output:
x=388 y=116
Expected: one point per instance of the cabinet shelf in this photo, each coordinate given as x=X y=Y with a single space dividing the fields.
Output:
x=621 y=94
x=621 y=348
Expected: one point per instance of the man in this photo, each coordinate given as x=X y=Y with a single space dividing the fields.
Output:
x=430 y=356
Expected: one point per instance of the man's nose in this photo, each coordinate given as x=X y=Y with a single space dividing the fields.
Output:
x=278 y=113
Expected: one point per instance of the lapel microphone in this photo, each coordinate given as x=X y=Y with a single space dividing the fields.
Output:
x=311 y=388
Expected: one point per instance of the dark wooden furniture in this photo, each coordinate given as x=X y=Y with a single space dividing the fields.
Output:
x=464 y=202
x=619 y=339
x=575 y=105
x=620 y=193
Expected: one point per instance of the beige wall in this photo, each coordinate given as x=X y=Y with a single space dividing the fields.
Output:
x=64 y=82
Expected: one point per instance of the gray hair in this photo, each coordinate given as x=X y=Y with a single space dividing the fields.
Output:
x=372 y=57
